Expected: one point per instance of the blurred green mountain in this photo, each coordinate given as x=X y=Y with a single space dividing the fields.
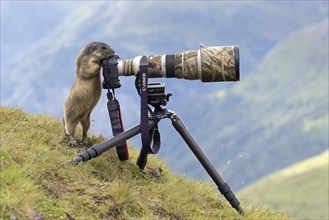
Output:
x=301 y=189
x=274 y=117
x=38 y=77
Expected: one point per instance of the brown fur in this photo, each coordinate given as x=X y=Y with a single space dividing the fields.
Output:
x=86 y=89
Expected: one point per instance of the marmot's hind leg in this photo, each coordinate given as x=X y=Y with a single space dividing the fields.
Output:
x=65 y=137
x=85 y=127
x=70 y=130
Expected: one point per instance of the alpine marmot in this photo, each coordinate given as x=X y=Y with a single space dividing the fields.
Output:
x=85 y=91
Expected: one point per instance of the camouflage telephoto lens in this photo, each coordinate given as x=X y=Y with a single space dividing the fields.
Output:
x=208 y=64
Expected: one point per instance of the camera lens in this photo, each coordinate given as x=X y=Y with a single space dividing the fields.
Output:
x=208 y=64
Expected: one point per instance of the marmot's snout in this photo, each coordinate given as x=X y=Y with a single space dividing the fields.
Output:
x=106 y=51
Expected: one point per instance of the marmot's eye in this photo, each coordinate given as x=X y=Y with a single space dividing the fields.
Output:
x=104 y=48
x=92 y=49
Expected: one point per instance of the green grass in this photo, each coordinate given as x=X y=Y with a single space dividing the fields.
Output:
x=36 y=178
x=302 y=189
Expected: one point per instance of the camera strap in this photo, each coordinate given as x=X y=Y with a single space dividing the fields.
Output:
x=111 y=81
x=147 y=134
x=117 y=124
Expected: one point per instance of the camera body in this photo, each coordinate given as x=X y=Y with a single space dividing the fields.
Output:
x=110 y=72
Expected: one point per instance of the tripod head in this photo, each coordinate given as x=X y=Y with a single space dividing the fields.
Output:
x=157 y=96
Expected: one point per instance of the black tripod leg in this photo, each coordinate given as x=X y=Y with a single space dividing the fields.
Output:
x=98 y=149
x=142 y=158
x=222 y=186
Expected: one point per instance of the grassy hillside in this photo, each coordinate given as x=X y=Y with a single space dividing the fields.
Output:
x=302 y=189
x=36 y=178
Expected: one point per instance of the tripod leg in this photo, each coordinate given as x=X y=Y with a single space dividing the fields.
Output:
x=102 y=147
x=222 y=186
x=142 y=158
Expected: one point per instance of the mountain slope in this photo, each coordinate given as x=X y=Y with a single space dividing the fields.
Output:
x=270 y=119
x=36 y=179
x=301 y=188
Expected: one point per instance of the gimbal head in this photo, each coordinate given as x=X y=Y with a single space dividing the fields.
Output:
x=157 y=96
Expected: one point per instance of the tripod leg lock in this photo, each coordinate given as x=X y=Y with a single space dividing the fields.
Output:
x=87 y=155
x=227 y=193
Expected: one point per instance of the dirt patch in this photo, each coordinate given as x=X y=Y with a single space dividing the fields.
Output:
x=162 y=213
x=155 y=173
x=101 y=199
x=112 y=214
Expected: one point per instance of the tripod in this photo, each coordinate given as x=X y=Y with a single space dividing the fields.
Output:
x=161 y=113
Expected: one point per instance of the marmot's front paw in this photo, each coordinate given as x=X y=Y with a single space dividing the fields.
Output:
x=74 y=143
